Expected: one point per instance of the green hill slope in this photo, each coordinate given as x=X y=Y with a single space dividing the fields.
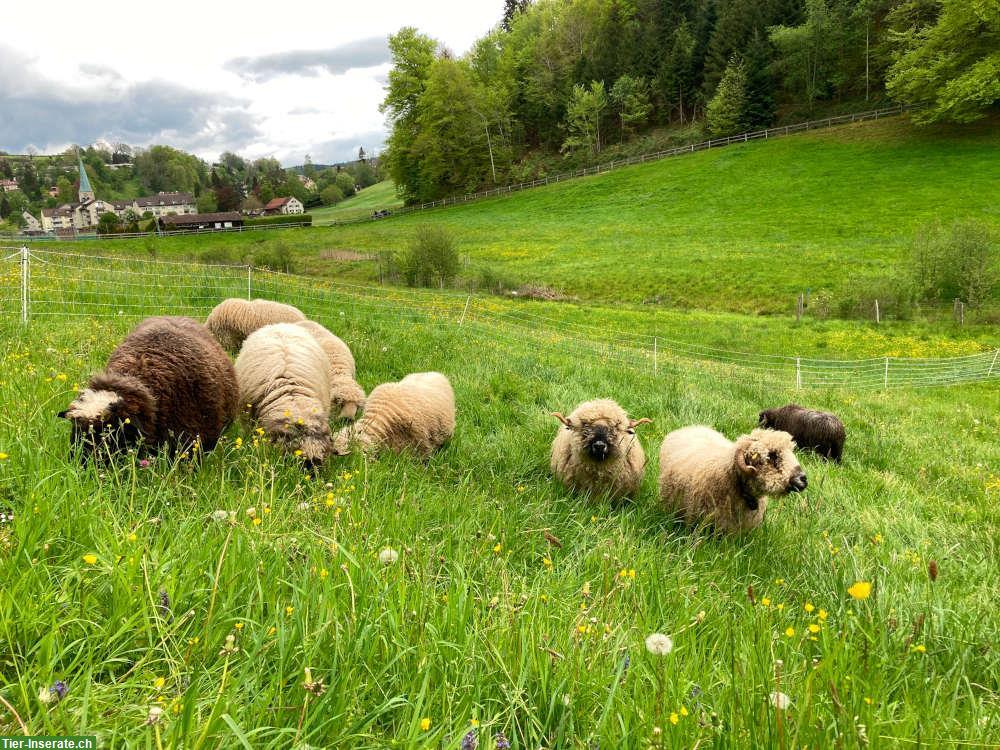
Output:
x=744 y=228
x=360 y=205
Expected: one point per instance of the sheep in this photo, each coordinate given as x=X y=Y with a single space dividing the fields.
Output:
x=232 y=320
x=347 y=397
x=167 y=384
x=818 y=431
x=416 y=414
x=597 y=451
x=707 y=478
x=284 y=379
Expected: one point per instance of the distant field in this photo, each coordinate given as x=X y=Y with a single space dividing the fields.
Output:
x=742 y=229
x=360 y=205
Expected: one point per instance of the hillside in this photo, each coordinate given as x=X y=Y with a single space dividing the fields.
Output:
x=360 y=205
x=482 y=623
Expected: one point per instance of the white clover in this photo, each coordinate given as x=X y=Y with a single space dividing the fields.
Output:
x=780 y=700
x=388 y=556
x=220 y=515
x=659 y=644
x=155 y=713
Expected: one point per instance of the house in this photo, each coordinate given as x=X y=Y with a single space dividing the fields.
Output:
x=31 y=224
x=164 y=204
x=205 y=222
x=307 y=182
x=289 y=205
x=8 y=186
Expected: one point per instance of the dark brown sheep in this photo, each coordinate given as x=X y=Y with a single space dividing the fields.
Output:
x=168 y=384
x=819 y=431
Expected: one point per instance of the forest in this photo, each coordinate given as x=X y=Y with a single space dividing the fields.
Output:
x=560 y=80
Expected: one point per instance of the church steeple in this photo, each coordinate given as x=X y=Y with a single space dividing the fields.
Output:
x=86 y=192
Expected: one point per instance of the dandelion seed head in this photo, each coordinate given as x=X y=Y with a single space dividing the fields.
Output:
x=659 y=644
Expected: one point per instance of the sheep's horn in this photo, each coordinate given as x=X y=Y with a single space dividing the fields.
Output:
x=637 y=422
x=561 y=418
x=741 y=461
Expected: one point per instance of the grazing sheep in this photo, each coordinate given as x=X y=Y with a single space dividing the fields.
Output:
x=284 y=377
x=168 y=383
x=417 y=414
x=232 y=320
x=819 y=431
x=346 y=396
x=597 y=451
x=707 y=478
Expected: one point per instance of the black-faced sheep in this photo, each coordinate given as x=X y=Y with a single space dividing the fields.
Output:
x=168 y=383
x=596 y=450
x=285 y=380
x=818 y=431
x=416 y=414
x=232 y=320
x=706 y=478
x=346 y=396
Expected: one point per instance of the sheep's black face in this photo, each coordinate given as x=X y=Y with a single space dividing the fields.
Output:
x=104 y=438
x=764 y=420
x=599 y=441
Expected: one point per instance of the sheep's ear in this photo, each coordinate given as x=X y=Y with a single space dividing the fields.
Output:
x=762 y=419
x=633 y=423
x=561 y=418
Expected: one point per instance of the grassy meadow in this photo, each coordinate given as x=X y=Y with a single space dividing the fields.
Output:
x=360 y=205
x=207 y=589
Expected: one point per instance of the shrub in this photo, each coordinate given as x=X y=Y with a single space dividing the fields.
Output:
x=218 y=255
x=959 y=261
x=432 y=259
x=330 y=195
x=275 y=258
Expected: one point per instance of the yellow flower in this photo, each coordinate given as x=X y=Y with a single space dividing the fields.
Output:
x=272 y=630
x=822 y=614
x=239 y=442
x=289 y=609
x=159 y=682
x=813 y=627
x=132 y=537
x=674 y=718
x=425 y=724
x=684 y=711
x=631 y=573
x=238 y=626
x=877 y=539
x=256 y=521
x=4 y=456
x=920 y=648
x=474 y=722
x=868 y=700
x=779 y=581
x=766 y=602
x=298 y=452
x=809 y=607
x=324 y=573
x=860 y=590
x=497 y=547
x=547 y=562
x=790 y=631
x=90 y=558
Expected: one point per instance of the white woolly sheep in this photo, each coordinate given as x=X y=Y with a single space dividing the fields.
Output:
x=596 y=450
x=232 y=320
x=415 y=414
x=346 y=396
x=284 y=378
x=707 y=478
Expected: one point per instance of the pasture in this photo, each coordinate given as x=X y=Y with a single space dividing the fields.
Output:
x=360 y=205
x=246 y=599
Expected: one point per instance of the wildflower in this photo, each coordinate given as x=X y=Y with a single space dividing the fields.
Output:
x=159 y=682
x=425 y=724
x=297 y=452
x=780 y=700
x=659 y=644
x=90 y=558
x=257 y=522
x=220 y=516
x=860 y=590
x=238 y=626
x=919 y=648
x=779 y=581
x=674 y=718
x=164 y=606
x=289 y=609
x=272 y=630
x=4 y=456
x=324 y=573
x=53 y=694
x=316 y=687
x=790 y=631
x=684 y=711
x=547 y=562
x=813 y=628
x=822 y=614
x=239 y=442
x=474 y=723
x=144 y=463
x=501 y=741
x=808 y=607
x=877 y=539
x=155 y=712
x=470 y=741
x=868 y=700
x=132 y=537
x=388 y=556
x=766 y=601
x=497 y=547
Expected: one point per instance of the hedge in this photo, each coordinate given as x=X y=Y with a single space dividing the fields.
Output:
x=279 y=219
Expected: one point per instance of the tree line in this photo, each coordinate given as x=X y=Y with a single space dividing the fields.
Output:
x=571 y=77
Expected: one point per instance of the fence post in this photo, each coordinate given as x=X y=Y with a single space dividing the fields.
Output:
x=993 y=364
x=465 y=310
x=878 y=315
x=249 y=282
x=798 y=372
x=25 y=295
x=885 y=380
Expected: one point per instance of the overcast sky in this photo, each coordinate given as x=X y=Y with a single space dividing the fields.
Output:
x=262 y=79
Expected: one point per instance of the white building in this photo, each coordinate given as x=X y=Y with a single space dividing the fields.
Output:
x=290 y=205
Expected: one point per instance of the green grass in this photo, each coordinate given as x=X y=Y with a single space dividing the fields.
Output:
x=741 y=229
x=360 y=205
x=472 y=622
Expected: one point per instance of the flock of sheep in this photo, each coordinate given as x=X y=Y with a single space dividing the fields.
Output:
x=170 y=384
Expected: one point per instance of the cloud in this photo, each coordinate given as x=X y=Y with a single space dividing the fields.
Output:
x=362 y=53
x=37 y=110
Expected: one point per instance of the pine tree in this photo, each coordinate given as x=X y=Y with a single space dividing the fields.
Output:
x=510 y=9
x=760 y=85
x=4 y=207
x=726 y=110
